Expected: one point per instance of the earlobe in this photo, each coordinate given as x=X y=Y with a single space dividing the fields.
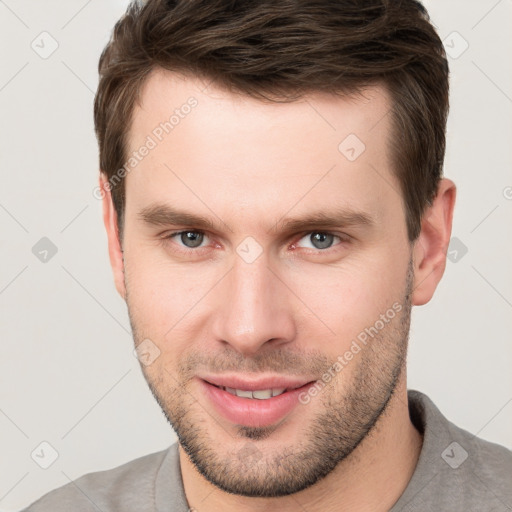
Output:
x=429 y=253
x=114 y=244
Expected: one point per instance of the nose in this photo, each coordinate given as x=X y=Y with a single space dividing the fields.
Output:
x=253 y=309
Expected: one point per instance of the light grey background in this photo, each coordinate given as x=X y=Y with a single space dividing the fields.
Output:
x=67 y=372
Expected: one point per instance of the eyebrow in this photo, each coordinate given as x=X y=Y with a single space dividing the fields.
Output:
x=161 y=214
x=339 y=218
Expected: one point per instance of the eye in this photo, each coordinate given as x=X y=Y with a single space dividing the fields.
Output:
x=190 y=239
x=319 y=240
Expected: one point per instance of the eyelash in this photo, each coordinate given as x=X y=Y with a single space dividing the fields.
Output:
x=188 y=250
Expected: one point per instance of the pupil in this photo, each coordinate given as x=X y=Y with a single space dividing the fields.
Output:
x=191 y=238
x=321 y=240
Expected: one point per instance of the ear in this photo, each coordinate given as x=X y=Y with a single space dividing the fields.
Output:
x=430 y=248
x=115 y=250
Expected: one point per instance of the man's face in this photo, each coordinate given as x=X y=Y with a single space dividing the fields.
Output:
x=254 y=302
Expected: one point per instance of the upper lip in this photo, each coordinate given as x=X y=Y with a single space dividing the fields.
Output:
x=243 y=382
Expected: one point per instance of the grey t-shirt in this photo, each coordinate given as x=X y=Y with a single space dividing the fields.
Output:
x=456 y=471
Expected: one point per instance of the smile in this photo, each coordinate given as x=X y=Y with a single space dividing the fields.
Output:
x=256 y=407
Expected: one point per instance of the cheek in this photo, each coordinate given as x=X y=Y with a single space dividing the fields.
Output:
x=165 y=298
x=350 y=297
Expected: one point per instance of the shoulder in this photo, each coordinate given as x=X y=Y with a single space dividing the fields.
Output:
x=128 y=487
x=487 y=464
x=457 y=470
x=460 y=446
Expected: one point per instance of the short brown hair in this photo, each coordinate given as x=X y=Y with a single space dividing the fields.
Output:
x=279 y=51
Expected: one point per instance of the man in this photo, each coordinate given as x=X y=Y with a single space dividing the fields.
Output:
x=273 y=197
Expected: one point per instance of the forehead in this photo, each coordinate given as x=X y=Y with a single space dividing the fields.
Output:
x=212 y=147
x=165 y=93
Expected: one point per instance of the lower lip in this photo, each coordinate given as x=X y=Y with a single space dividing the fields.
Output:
x=252 y=412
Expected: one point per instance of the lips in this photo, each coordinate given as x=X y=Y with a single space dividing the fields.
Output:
x=247 y=384
x=256 y=403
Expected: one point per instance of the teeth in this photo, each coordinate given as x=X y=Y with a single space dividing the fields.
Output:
x=263 y=394
x=260 y=394
x=243 y=394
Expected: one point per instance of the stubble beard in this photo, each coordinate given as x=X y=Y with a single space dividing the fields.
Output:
x=347 y=417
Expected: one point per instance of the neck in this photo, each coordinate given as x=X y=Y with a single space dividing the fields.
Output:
x=372 y=478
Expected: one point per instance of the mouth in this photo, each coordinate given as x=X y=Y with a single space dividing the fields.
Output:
x=255 y=404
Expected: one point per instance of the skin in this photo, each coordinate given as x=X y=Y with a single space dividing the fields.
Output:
x=246 y=165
